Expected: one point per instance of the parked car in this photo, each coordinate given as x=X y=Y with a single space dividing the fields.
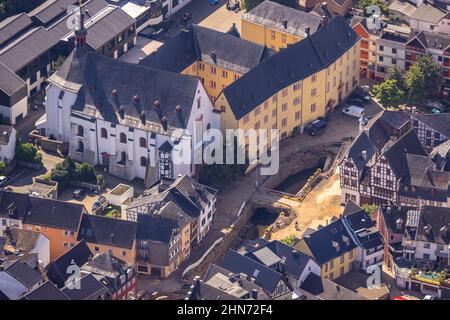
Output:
x=316 y=126
x=356 y=102
x=3 y=181
x=429 y=297
x=436 y=107
x=98 y=203
x=79 y=194
x=365 y=98
x=353 y=111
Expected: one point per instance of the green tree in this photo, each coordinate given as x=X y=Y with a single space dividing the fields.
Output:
x=432 y=72
x=86 y=173
x=363 y=4
x=388 y=93
x=27 y=152
x=60 y=176
x=288 y=240
x=369 y=208
x=415 y=84
x=2 y=167
x=397 y=74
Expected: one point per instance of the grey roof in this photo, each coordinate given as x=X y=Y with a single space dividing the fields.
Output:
x=325 y=289
x=439 y=122
x=57 y=270
x=264 y=276
x=290 y=65
x=276 y=252
x=90 y=289
x=429 y=13
x=24 y=274
x=272 y=15
x=106 y=265
x=91 y=9
x=394 y=214
x=27 y=48
x=108 y=24
x=364 y=229
x=437 y=220
x=46 y=291
x=107 y=231
x=431 y=40
x=51 y=9
x=9 y=81
x=95 y=77
x=197 y=43
x=156 y=228
x=396 y=154
x=39 y=211
x=328 y=243
x=13 y=26
x=204 y=291
x=185 y=192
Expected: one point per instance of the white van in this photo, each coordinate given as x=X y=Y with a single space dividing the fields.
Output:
x=353 y=111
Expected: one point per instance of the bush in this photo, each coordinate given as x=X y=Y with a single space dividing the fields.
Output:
x=62 y=177
x=86 y=173
x=288 y=240
x=2 y=167
x=27 y=152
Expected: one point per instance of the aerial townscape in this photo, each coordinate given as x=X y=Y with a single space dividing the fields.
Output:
x=225 y=150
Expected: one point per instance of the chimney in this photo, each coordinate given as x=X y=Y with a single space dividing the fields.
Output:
x=324 y=21
x=413 y=110
x=115 y=93
x=364 y=155
x=367 y=132
x=164 y=123
x=121 y=112
x=80 y=31
x=427 y=229
x=255 y=294
x=323 y=5
x=157 y=108
x=399 y=223
x=213 y=56
x=307 y=31
x=285 y=23
x=444 y=231
x=388 y=209
x=142 y=117
x=135 y=99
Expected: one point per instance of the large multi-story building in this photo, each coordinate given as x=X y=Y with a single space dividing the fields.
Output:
x=286 y=92
x=389 y=163
x=129 y=118
x=276 y=26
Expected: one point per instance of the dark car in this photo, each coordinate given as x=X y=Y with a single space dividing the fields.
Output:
x=361 y=95
x=79 y=194
x=356 y=102
x=316 y=127
x=98 y=203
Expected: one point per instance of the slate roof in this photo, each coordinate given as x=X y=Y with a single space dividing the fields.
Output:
x=24 y=274
x=57 y=270
x=185 y=192
x=156 y=228
x=294 y=261
x=439 y=122
x=363 y=228
x=325 y=289
x=351 y=207
x=437 y=219
x=13 y=26
x=40 y=211
x=107 y=231
x=320 y=242
x=90 y=289
x=27 y=48
x=204 y=291
x=9 y=81
x=264 y=276
x=290 y=65
x=95 y=77
x=197 y=43
x=107 y=265
x=51 y=9
x=392 y=215
x=272 y=15
x=431 y=40
x=46 y=291
x=106 y=25
x=396 y=154
x=360 y=144
x=429 y=13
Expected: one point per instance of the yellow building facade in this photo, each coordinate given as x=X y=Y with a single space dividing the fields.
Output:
x=213 y=77
x=299 y=103
x=276 y=26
